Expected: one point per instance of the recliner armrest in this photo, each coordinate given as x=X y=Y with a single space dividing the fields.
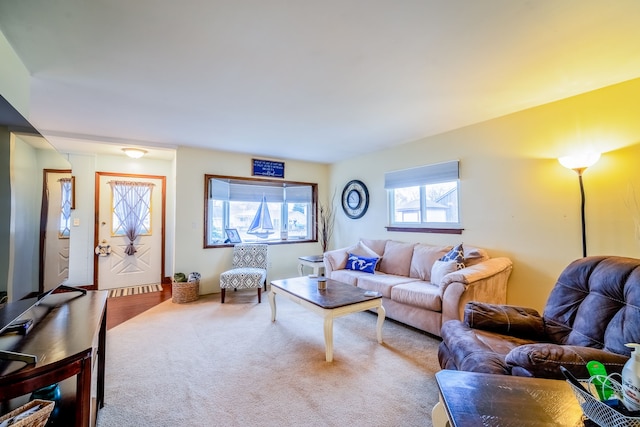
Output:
x=511 y=320
x=544 y=360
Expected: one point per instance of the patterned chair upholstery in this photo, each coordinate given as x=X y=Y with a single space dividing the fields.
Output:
x=249 y=269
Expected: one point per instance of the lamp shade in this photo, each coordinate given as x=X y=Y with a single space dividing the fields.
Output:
x=579 y=161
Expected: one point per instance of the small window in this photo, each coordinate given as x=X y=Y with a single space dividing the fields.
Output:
x=267 y=211
x=425 y=197
x=64 y=227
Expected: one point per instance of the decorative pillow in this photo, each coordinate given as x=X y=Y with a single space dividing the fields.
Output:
x=360 y=263
x=397 y=258
x=441 y=269
x=456 y=254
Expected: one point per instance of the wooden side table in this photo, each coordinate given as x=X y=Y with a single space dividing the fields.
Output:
x=313 y=261
x=472 y=399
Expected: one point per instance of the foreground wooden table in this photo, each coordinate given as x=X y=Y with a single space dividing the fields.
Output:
x=338 y=299
x=69 y=340
x=471 y=399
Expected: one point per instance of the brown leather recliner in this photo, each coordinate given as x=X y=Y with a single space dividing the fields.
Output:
x=592 y=311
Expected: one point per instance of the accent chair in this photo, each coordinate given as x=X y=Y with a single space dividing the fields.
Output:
x=248 y=270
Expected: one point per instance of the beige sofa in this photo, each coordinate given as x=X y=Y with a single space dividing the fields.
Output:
x=403 y=276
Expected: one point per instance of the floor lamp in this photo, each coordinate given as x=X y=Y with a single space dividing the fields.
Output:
x=580 y=163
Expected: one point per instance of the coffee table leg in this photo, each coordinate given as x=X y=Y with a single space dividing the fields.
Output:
x=381 y=315
x=272 y=303
x=328 y=337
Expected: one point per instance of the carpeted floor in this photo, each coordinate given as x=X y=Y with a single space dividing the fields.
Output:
x=211 y=364
x=134 y=290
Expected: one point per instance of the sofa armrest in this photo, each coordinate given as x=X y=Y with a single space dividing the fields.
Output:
x=544 y=360
x=522 y=322
x=334 y=260
x=485 y=281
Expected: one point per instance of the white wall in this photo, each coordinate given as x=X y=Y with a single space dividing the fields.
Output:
x=14 y=78
x=26 y=194
x=84 y=168
x=192 y=165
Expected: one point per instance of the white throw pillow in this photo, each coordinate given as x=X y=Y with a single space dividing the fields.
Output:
x=441 y=269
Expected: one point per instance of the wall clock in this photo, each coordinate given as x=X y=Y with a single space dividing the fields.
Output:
x=355 y=199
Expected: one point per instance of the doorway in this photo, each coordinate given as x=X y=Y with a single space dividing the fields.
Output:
x=55 y=232
x=130 y=230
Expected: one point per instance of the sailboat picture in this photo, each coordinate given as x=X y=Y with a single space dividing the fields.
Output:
x=261 y=226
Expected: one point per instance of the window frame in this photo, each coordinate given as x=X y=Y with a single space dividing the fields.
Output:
x=267 y=183
x=422 y=176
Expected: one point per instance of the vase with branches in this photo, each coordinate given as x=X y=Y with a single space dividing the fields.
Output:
x=326 y=217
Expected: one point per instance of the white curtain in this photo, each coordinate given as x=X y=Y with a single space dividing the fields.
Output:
x=132 y=201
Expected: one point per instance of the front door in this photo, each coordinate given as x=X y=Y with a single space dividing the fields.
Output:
x=120 y=260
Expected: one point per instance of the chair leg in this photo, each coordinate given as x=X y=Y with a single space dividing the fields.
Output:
x=259 y=295
x=222 y=296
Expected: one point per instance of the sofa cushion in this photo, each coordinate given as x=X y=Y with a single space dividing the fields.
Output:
x=475 y=350
x=423 y=258
x=338 y=258
x=456 y=254
x=441 y=269
x=360 y=263
x=397 y=258
x=473 y=255
x=419 y=294
x=375 y=245
x=348 y=276
x=381 y=282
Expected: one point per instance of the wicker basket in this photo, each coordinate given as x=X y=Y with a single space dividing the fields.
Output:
x=37 y=419
x=182 y=292
x=598 y=412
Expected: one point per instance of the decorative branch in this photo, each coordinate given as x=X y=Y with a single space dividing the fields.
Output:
x=325 y=223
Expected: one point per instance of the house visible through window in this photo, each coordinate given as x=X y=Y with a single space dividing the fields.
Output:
x=259 y=210
x=424 y=197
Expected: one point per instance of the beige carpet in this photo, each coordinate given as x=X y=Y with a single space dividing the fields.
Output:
x=211 y=364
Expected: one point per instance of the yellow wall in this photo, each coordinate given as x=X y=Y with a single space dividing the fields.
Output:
x=191 y=166
x=516 y=199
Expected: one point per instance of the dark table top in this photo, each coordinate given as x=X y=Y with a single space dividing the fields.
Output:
x=312 y=258
x=474 y=399
x=337 y=294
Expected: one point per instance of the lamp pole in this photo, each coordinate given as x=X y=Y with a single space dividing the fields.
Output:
x=579 y=164
x=584 y=232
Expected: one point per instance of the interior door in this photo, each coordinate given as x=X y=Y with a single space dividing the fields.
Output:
x=55 y=256
x=114 y=267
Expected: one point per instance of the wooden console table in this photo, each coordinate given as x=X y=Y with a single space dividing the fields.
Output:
x=69 y=340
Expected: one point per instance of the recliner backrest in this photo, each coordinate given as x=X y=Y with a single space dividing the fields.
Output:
x=596 y=303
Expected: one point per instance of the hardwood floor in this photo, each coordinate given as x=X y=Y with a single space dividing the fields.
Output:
x=120 y=309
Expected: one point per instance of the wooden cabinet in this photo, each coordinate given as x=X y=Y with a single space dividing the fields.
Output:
x=69 y=340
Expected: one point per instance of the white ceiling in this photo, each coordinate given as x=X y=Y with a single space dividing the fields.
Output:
x=307 y=79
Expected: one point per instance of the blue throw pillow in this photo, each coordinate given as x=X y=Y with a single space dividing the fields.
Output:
x=360 y=263
x=456 y=254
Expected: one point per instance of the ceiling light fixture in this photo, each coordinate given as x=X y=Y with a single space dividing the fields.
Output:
x=134 y=153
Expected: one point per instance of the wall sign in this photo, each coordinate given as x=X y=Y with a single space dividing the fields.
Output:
x=268 y=168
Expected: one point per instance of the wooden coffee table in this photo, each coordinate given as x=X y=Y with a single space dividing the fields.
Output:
x=338 y=299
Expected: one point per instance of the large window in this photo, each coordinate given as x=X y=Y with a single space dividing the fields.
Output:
x=424 y=198
x=259 y=210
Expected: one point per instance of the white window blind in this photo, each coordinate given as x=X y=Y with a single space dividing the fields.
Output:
x=231 y=191
x=422 y=175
